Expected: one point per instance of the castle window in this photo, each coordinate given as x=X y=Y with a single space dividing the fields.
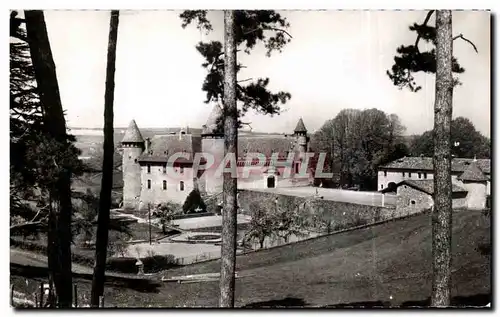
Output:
x=296 y=168
x=164 y=185
x=182 y=169
x=425 y=175
x=135 y=161
x=149 y=168
x=149 y=184
x=404 y=174
x=385 y=173
x=412 y=202
x=165 y=169
x=181 y=186
x=419 y=175
x=382 y=186
x=409 y=174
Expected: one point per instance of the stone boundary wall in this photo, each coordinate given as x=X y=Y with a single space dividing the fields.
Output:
x=340 y=215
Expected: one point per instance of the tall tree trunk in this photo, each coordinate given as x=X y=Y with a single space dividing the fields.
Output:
x=442 y=213
x=228 y=248
x=59 y=234
x=107 y=167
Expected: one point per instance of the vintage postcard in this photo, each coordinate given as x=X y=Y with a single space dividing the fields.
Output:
x=250 y=158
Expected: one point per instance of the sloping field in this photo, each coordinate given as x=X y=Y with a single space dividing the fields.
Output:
x=389 y=262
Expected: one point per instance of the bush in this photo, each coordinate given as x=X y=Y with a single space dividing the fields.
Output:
x=151 y=264
x=194 y=202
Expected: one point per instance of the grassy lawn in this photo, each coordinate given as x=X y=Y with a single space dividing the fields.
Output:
x=140 y=231
x=391 y=262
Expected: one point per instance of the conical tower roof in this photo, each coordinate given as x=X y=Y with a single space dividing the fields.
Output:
x=211 y=126
x=300 y=126
x=473 y=173
x=133 y=134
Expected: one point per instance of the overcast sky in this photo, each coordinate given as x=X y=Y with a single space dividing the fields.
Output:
x=336 y=60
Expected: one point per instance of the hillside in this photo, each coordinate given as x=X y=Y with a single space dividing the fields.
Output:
x=390 y=262
x=371 y=264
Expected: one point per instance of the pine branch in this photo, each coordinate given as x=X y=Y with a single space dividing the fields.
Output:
x=268 y=28
x=241 y=81
x=249 y=124
x=24 y=225
x=460 y=36
x=429 y=14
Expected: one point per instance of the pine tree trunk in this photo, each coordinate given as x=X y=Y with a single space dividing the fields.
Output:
x=107 y=167
x=59 y=234
x=442 y=213
x=228 y=248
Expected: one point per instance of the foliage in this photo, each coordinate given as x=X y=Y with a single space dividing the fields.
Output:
x=151 y=264
x=117 y=245
x=194 y=203
x=166 y=212
x=322 y=221
x=469 y=142
x=410 y=60
x=289 y=219
x=275 y=218
x=36 y=159
x=84 y=219
x=265 y=26
x=261 y=224
x=357 y=142
x=85 y=222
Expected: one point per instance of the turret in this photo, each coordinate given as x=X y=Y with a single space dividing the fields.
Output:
x=212 y=142
x=300 y=134
x=133 y=146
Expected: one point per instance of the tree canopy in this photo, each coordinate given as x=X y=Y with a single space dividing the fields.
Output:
x=358 y=141
x=265 y=27
x=466 y=141
x=410 y=59
x=36 y=157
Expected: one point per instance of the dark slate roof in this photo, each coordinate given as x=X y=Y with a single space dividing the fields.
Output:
x=164 y=146
x=211 y=126
x=300 y=126
x=164 y=159
x=266 y=145
x=132 y=134
x=427 y=186
x=425 y=164
x=473 y=173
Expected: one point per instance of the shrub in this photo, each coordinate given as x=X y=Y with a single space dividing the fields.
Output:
x=194 y=202
x=152 y=264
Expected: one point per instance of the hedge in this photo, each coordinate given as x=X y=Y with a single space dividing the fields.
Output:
x=151 y=264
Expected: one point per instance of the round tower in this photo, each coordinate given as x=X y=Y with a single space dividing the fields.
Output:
x=212 y=142
x=132 y=146
x=300 y=133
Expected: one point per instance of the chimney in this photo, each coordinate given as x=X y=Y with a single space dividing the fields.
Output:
x=147 y=143
x=181 y=132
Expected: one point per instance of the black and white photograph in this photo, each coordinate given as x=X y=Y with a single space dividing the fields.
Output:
x=325 y=159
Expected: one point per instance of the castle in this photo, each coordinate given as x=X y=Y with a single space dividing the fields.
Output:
x=145 y=162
